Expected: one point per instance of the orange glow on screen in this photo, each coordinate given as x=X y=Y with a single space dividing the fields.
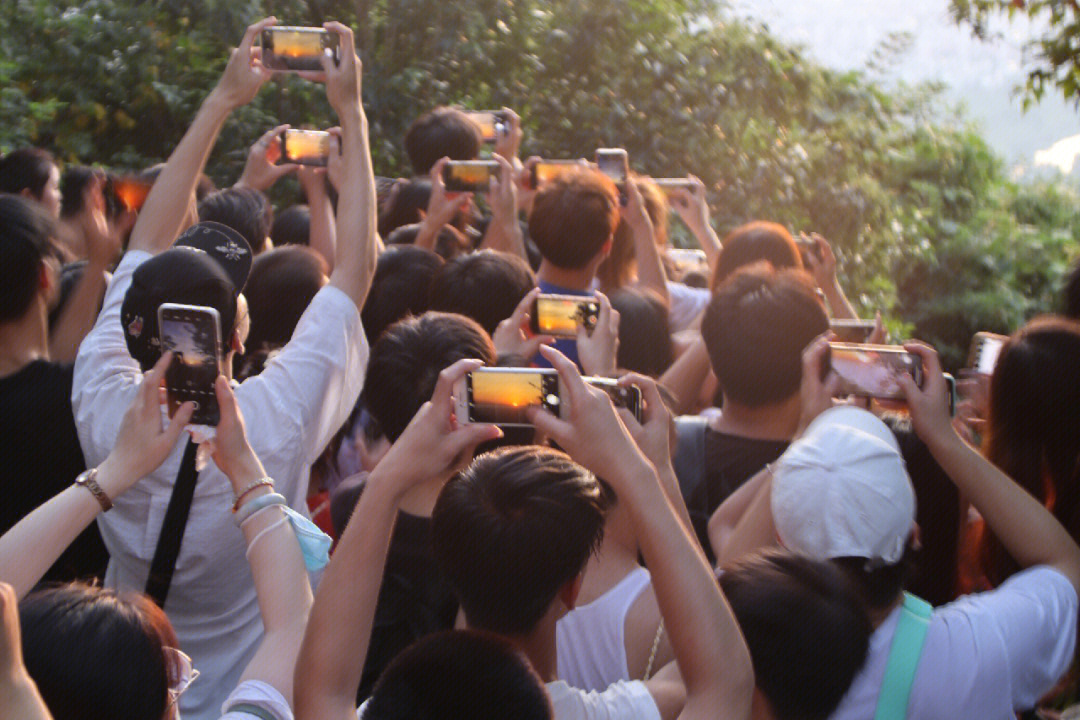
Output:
x=556 y=316
x=507 y=389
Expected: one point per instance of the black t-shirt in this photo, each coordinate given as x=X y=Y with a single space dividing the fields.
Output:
x=40 y=455
x=730 y=460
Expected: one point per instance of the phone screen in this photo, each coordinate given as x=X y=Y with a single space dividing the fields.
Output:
x=491 y=122
x=296 y=48
x=561 y=315
x=192 y=334
x=872 y=370
x=502 y=396
x=547 y=170
x=613 y=163
x=130 y=192
x=469 y=175
x=305 y=147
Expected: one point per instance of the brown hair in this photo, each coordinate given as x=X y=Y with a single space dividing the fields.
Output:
x=572 y=218
x=619 y=267
x=753 y=242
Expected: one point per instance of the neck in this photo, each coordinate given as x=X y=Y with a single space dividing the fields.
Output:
x=879 y=615
x=25 y=340
x=577 y=279
x=539 y=647
x=778 y=421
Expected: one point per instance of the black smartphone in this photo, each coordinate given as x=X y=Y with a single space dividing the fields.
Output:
x=547 y=170
x=297 y=48
x=851 y=331
x=492 y=124
x=469 y=175
x=561 y=315
x=305 y=147
x=193 y=334
x=628 y=397
x=502 y=396
x=872 y=370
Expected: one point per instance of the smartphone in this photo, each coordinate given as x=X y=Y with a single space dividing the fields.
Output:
x=193 y=334
x=669 y=184
x=130 y=193
x=687 y=256
x=305 y=147
x=561 y=315
x=469 y=175
x=985 y=349
x=492 y=124
x=614 y=163
x=950 y=393
x=547 y=170
x=808 y=247
x=852 y=331
x=297 y=48
x=628 y=397
x=872 y=370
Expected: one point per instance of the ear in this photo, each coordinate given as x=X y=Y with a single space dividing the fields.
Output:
x=26 y=193
x=605 y=249
x=235 y=343
x=47 y=279
x=569 y=592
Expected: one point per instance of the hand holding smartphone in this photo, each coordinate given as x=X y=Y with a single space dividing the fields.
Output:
x=297 y=49
x=493 y=123
x=615 y=163
x=560 y=316
x=306 y=147
x=193 y=334
x=872 y=370
x=470 y=175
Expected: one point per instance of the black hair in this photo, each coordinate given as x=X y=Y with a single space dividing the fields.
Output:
x=292 y=226
x=73 y=184
x=96 y=655
x=26 y=232
x=807 y=632
x=405 y=206
x=26 y=169
x=513 y=529
x=407 y=359
x=753 y=243
x=245 y=210
x=449 y=244
x=879 y=585
x=573 y=217
x=442 y=132
x=645 y=344
x=459 y=674
x=755 y=327
x=399 y=288
x=486 y=286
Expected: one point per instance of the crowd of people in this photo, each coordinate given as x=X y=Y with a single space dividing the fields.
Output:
x=345 y=541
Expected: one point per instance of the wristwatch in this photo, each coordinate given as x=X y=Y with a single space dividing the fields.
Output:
x=88 y=480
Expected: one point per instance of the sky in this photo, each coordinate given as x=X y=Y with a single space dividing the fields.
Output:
x=982 y=75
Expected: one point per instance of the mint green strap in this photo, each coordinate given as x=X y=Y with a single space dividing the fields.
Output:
x=903 y=660
x=254 y=710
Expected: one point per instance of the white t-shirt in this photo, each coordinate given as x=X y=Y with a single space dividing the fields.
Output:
x=686 y=303
x=986 y=655
x=261 y=695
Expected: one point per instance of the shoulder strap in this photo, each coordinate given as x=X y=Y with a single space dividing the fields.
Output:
x=903 y=660
x=172 y=529
x=689 y=460
x=253 y=710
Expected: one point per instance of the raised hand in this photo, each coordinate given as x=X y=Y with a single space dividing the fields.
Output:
x=260 y=170
x=245 y=74
x=343 y=78
x=511 y=336
x=928 y=405
x=598 y=350
x=102 y=241
x=231 y=451
x=653 y=433
x=818 y=388
x=690 y=206
x=508 y=142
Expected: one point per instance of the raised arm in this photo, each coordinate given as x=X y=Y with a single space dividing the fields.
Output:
x=357 y=214
x=692 y=207
x=322 y=235
x=649 y=266
x=504 y=230
x=824 y=272
x=19 y=696
x=705 y=637
x=30 y=548
x=336 y=643
x=162 y=217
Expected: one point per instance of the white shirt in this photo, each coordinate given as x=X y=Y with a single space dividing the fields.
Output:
x=986 y=656
x=686 y=303
x=291 y=411
x=262 y=695
x=623 y=700
x=590 y=640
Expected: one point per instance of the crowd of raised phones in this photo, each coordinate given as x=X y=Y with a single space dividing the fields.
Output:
x=479 y=444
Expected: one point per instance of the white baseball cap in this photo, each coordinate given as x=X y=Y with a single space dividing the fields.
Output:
x=842 y=490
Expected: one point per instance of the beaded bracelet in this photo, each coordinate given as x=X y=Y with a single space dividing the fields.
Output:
x=250 y=508
x=269 y=482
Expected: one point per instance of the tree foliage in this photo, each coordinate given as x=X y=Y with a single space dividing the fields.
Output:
x=918 y=212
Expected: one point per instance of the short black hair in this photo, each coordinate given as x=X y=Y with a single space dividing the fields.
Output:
x=459 y=674
x=645 y=344
x=755 y=242
x=879 y=585
x=292 y=226
x=26 y=232
x=26 y=169
x=407 y=359
x=449 y=244
x=73 y=184
x=407 y=202
x=442 y=132
x=807 y=632
x=573 y=216
x=512 y=529
x=756 y=326
x=486 y=286
x=245 y=210
x=399 y=288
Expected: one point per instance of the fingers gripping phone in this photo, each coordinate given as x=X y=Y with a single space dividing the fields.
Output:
x=502 y=396
x=807 y=247
x=193 y=334
x=305 y=147
x=561 y=315
x=872 y=370
x=294 y=49
x=469 y=175
x=493 y=123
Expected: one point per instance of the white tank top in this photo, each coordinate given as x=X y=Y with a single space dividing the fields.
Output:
x=590 y=640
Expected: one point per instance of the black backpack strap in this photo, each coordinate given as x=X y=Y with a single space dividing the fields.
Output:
x=172 y=529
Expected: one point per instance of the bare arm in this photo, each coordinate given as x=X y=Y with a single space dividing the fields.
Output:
x=824 y=272
x=19 y=696
x=504 y=232
x=692 y=207
x=322 y=236
x=649 y=266
x=726 y=519
x=686 y=376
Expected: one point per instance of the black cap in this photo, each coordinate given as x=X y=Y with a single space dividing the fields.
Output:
x=227 y=246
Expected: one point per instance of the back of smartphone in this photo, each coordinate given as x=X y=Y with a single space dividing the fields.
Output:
x=193 y=334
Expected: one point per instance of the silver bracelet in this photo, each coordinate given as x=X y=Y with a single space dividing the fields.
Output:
x=268 y=481
x=250 y=508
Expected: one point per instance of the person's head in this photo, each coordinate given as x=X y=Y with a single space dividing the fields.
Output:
x=208 y=266
x=292 y=226
x=1033 y=424
x=282 y=283
x=406 y=205
x=449 y=244
x=32 y=173
x=574 y=218
x=407 y=359
x=73 y=186
x=753 y=243
x=645 y=344
x=245 y=210
x=807 y=631
x=841 y=492
x=442 y=132
x=620 y=267
x=756 y=327
x=96 y=655
x=29 y=260
x=399 y=288
x=486 y=286
x=459 y=674
x=512 y=534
